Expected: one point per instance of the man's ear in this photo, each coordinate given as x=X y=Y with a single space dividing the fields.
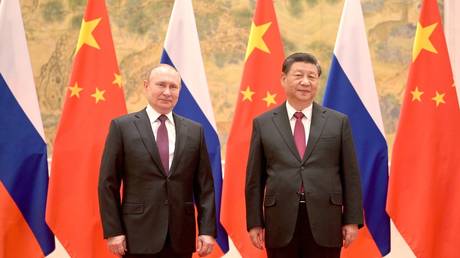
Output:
x=283 y=79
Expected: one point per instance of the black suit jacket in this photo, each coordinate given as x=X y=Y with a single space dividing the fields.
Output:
x=154 y=204
x=329 y=172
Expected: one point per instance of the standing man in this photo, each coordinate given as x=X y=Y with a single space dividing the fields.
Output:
x=162 y=161
x=303 y=192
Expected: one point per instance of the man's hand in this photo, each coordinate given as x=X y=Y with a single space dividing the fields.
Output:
x=204 y=245
x=257 y=236
x=349 y=234
x=117 y=245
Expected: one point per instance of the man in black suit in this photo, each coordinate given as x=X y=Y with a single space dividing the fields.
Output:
x=162 y=161
x=303 y=193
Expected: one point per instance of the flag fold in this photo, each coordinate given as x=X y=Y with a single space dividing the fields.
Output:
x=351 y=90
x=260 y=90
x=23 y=154
x=423 y=196
x=94 y=96
x=182 y=50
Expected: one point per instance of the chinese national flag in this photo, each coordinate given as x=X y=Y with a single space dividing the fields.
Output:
x=260 y=90
x=94 y=96
x=424 y=196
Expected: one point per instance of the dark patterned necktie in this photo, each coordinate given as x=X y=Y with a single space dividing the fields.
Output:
x=163 y=143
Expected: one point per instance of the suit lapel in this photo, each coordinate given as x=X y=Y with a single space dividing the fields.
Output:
x=281 y=120
x=181 y=139
x=144 y=127
x=318 y=120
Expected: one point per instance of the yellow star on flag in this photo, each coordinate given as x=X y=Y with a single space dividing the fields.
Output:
x=416 y=94
x=117 y=79
x=86 y=34
x=256 y=39
x=247 y=94
x=75 y=90
x=270 y=99
x=439 y=98
x=422 y=40
x=98 y=95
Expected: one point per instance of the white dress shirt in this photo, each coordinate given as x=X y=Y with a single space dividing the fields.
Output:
x=170 y=127
x=306 y=119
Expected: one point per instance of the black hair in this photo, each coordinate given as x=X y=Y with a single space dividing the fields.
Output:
x=300 y=57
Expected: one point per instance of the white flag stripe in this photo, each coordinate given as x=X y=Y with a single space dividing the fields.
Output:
x=15 y=62
x=359 y=72
x=187 y=57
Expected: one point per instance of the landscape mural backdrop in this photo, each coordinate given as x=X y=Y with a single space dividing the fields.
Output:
x=139 y=27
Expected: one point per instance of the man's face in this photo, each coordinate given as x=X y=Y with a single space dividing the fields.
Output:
x=162 y=89
x=301 y=84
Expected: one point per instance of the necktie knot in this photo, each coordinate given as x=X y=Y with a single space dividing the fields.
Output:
x=298 y=115
x=162 y=118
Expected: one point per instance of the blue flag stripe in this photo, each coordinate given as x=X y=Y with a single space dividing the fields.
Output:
x=24 y=166
x=371 y=150
x=188 y=107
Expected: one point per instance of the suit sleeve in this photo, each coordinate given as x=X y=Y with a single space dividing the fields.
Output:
x=353 y=209
x=255 y=180
x=204 y=193
x=110 y=178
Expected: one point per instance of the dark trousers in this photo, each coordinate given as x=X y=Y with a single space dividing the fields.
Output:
x=302 y=244
x=166 y=252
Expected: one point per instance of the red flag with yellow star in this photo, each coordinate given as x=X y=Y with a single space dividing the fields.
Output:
x=94 y=96
x=260 y=90
x=423 y=197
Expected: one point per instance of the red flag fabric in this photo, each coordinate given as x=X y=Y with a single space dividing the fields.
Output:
x=423 y=197
x=94 y=96
x=260 y=90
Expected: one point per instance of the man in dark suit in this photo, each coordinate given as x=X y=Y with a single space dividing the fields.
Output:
x=303 y=193
x=162 y=161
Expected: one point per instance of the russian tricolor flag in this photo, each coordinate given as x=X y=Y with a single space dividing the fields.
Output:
x=351 y=90
x=23 y=159
x=182 y=50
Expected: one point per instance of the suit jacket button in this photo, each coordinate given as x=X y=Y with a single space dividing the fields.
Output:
x=302 y=167
x=166 y=203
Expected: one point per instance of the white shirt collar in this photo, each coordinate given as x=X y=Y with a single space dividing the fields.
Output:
x=153 y=115
x=306 y=112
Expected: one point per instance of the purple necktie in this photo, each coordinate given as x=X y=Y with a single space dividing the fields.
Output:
x=299 y=134
x=299 y=138
x=163 y=143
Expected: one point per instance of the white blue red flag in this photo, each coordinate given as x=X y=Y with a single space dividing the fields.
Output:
x=351 y=90
x=182 y=50
x=23 y=158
